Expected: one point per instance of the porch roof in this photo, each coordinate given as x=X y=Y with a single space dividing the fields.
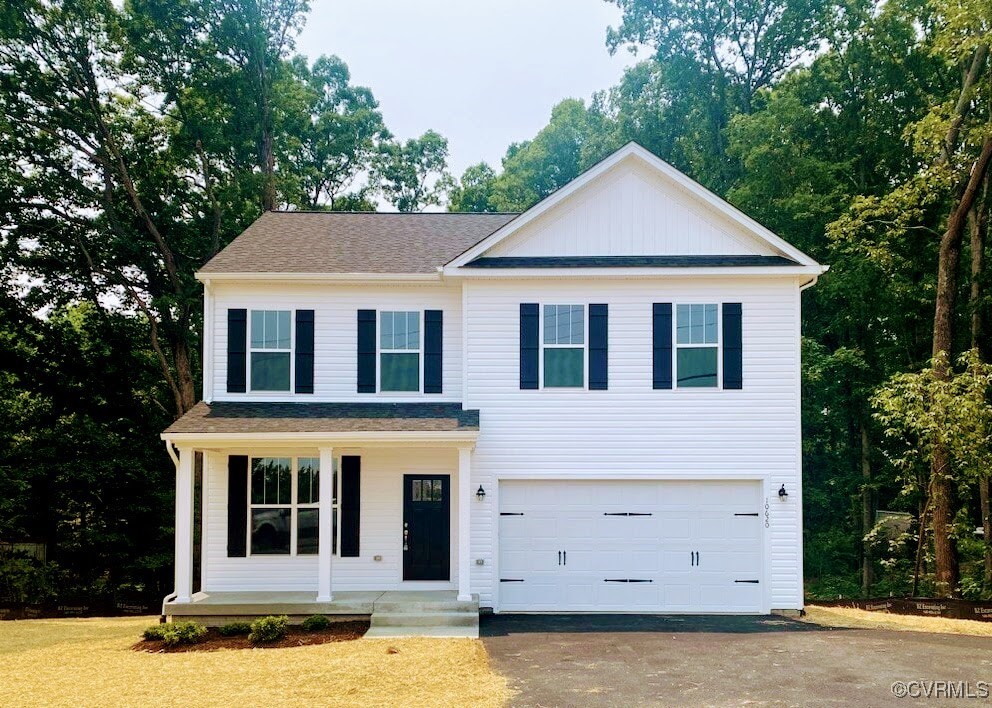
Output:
x=226 y=418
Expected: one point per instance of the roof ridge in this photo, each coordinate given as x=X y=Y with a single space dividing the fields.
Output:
x=395 y=213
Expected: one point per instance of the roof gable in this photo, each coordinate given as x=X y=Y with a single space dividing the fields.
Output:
x=632 y=204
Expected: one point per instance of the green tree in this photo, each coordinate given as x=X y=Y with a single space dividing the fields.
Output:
x=414 y=175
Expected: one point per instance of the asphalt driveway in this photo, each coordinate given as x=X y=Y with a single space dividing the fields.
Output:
x=628 y=660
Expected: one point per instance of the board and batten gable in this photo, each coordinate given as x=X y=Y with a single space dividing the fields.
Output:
x=631 y=210
x=335 y=309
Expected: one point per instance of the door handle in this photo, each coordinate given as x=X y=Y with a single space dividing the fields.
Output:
x=406 y=537
x=564 y=557
x=559 y=557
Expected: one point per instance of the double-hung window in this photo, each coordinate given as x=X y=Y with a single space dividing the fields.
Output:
x=399 y=351
x=697 y=346
x=284 y=499
x=271 y=350
x=564 y=346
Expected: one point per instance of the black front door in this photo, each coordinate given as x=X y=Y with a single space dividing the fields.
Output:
x=426 y=527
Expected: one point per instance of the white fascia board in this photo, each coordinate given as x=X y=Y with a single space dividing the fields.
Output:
x=320 y=277
x=431 y=438
x=634 y=150
x=599 y=273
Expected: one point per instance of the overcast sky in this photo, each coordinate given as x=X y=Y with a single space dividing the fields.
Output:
x=483 y=73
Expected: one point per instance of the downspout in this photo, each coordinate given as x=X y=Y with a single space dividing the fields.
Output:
x=172 y=595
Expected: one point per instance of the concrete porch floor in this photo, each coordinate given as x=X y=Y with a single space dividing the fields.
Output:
x=215 y=608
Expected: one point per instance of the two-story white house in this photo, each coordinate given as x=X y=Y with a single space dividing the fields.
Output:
x=592 y=406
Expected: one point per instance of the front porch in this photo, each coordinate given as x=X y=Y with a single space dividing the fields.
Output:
x=392 y=613
x=352 y=510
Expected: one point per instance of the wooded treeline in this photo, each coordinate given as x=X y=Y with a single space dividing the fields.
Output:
x=138 y=140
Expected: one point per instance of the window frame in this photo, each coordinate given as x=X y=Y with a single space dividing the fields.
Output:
x=584 y=346
x=379 y=351
x=291 y=351
x=295 y=506
x=709 y=345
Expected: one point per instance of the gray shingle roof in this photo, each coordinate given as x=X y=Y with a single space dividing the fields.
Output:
x=352 y=242
x=229 y=417
x=627 y=261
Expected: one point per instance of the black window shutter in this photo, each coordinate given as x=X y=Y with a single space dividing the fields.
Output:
x=237 y=506
x=598 y=347
x=351 y=494
x=366 y=351
x=733 y=346
x=237 y=351
x=433 y=325
x=530 y=354
x=304 y=351
x=662 y=344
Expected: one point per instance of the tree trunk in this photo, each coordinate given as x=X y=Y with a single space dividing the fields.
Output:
x=867 y=512
x=945 y=551
x=979 y=219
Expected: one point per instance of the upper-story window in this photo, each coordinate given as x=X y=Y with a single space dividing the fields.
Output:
x=564 y=346
x=697 y=343
x=271 y=350
x=399 y=351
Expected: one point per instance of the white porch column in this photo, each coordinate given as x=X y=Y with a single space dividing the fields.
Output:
x=324 y=540
x=464 y=523
x=184 y=525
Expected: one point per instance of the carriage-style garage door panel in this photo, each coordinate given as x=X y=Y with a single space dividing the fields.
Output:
x=630 y=546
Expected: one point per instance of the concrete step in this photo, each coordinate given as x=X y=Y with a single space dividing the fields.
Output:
x=398 y=632
x=425 y=619
x=468 y=606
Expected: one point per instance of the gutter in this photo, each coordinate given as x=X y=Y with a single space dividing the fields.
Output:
x=172 y=595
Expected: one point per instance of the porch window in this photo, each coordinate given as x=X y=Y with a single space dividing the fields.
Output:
x=399 y=351
x=697 y=343
x=564 y=346
x=284 y=499
x=271 y=347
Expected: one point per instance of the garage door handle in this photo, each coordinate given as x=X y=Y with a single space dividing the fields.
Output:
x=564 y=557
x=627 y=580
x=559 y=557
x=755 y=582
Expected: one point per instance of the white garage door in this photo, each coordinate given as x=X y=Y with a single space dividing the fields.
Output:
x=630 y=546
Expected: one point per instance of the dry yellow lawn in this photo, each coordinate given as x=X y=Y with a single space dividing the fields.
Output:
x=88 y=662
x=861 y=619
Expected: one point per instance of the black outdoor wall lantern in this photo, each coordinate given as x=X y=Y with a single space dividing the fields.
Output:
x=481 y=494
x=782 y=494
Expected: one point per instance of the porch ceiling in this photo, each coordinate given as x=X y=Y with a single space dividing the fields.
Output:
x=227 y=418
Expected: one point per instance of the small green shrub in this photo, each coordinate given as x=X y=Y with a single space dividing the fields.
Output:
x=234 y=629
x=156 y=632
x=268 y=629
x=316 y=623
x=182 y=633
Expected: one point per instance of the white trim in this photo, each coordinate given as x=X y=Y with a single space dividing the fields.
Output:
x=419 y=351
x=184 y=526
x=291 y=389
x=326 y=524
x=584 y=346
x=431 y=438
x=631 y=272
x=633 y=151
x=464 y=524
x=320 y=277
x=208 y=342
x=708 y=345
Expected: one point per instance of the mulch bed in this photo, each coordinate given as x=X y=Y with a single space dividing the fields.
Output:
x=295 y=637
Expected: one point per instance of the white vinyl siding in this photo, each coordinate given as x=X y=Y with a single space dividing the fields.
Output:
x=335 y=334
x=633 y=431
x=381 y=528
